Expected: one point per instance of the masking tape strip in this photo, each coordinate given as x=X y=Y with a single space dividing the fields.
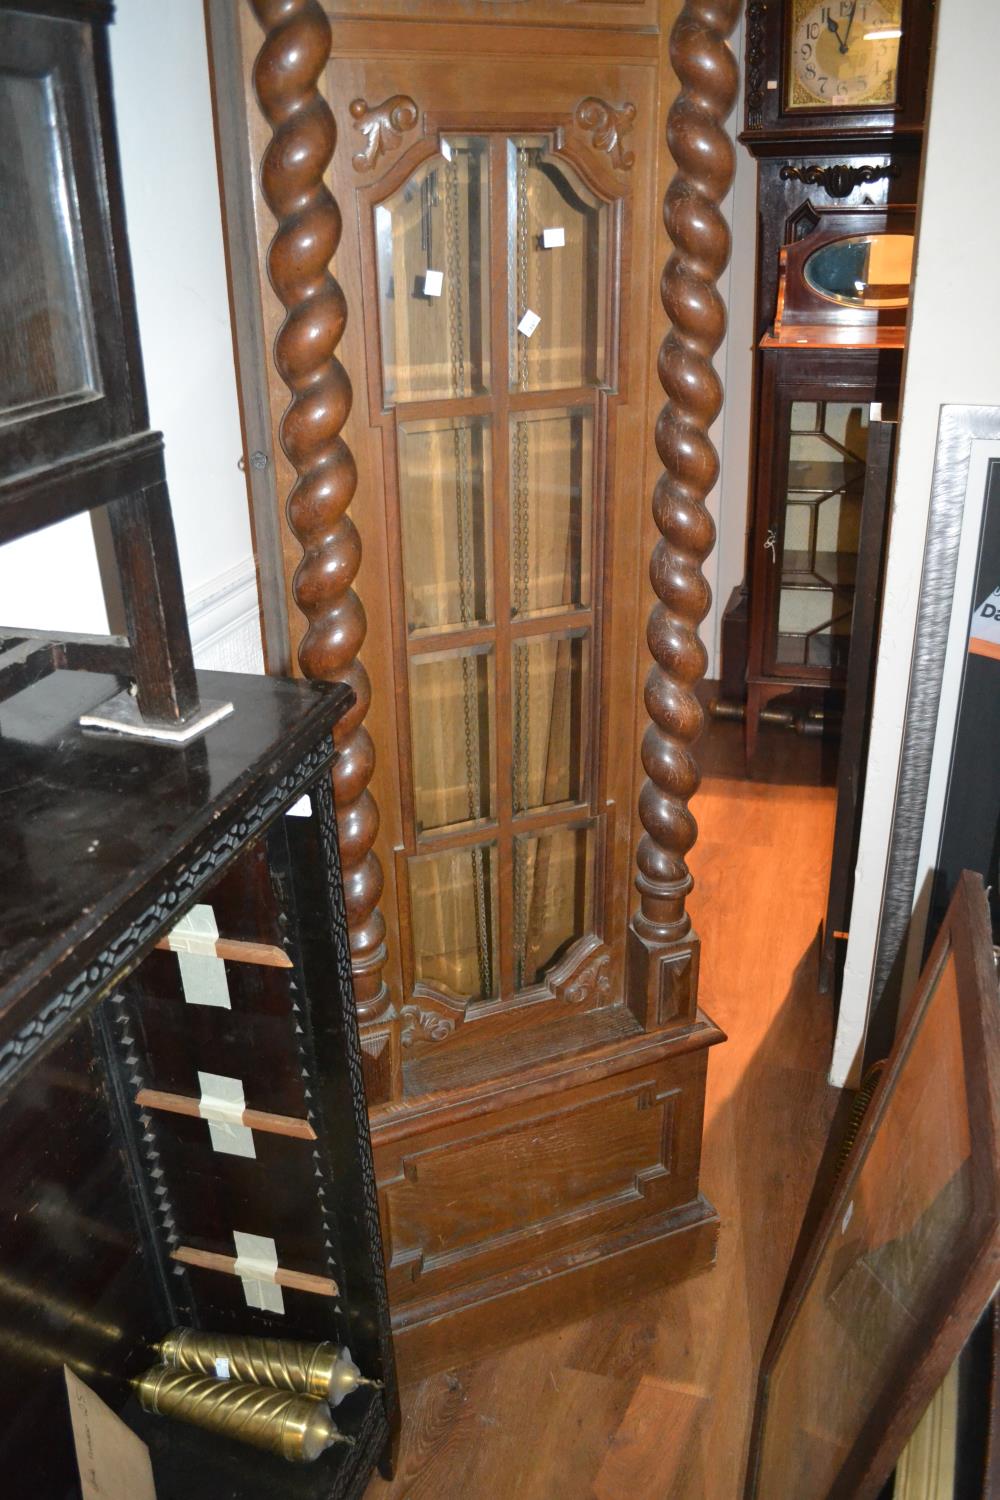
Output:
x=222 y=1104
x=203 y=974
x=256 y=1265
x=196 y=932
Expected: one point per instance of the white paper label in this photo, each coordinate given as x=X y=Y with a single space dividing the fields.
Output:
x=984 y=633
x=433 y=282
x=303 y=808
x=222 y=1368
x=528 y=323
x=446 y=151
x=553 y=238
x=772 y=83
x=114 y=1464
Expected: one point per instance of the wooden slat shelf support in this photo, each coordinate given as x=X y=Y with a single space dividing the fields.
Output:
x=296 y=1281
x=237 y=951
x=253 y=1119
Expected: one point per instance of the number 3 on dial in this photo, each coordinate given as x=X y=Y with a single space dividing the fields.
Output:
x=843 y=54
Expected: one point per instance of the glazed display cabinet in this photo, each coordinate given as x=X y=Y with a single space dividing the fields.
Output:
x=465 y=537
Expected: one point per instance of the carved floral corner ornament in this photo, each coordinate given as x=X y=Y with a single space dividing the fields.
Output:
x=591 y=986
x=383 y=127
x=421 y=1025
x=607 y=124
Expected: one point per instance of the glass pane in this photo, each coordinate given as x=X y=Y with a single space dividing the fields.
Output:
x=453 y=910
x=451 y=719
x=558 y=272
x=550 y=700
x=826 y=471
x=432 y=247
x=868 y=270
x=551 y=482
x=553 y=898
x=46 y=333
x=446 y=514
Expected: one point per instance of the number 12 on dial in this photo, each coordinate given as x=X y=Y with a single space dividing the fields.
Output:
x=843 y=54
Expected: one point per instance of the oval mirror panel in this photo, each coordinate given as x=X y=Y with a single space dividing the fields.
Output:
x=863 y=270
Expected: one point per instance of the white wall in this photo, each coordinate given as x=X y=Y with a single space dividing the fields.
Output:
x=163 y=106
x=953 y=356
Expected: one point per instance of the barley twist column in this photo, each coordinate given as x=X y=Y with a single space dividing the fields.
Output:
x=663 y=949
x=291 y=60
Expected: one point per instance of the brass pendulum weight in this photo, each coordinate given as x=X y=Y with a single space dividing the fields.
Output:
x=296 y=1427
x=314 y=1369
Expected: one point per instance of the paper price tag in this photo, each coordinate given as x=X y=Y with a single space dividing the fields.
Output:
x=433 y=282
x=528 y=323
x=552 y=239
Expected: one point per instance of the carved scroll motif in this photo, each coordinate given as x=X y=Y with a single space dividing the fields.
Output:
x=291 y=60
x=839 y=179
x=591 y=985
x=607 y=124
x=383 y=127
x=663 y=954
x=420 y=1025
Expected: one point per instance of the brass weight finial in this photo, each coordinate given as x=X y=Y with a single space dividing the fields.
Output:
x=295 y=1427
x=315 y=1369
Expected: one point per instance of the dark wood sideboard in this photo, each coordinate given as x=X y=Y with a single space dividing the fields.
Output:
x=117 y=1216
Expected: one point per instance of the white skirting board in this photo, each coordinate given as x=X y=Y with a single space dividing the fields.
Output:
x=225 y=622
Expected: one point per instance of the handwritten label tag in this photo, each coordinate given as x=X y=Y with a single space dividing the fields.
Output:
x=528 y=323
x=113 y=1463
x=552 y=239
x=433 y=282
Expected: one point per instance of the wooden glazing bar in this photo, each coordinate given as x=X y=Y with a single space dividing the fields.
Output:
x=237 y=951
x=443 y=407
x=538 y=821
x=297 y=1281
x=552 y=399
x=253 y=1119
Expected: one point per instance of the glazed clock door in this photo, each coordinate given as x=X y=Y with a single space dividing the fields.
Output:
x=504 y=340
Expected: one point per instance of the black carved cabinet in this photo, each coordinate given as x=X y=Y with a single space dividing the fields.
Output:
x=126 y=872
x=183 y=1125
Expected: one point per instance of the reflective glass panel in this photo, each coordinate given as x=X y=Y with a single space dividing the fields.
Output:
x=551 y=489
x=550 y=691
x=432 y=248
x=451 y=722
x=826 y=473
x=553 y=898
x=446 y=515
x=46 y=329
x=866 y=270
x=453 y=911
x=558 y=271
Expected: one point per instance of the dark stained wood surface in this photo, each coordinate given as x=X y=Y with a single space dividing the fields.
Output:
x=652 y=1397
x=91 y=828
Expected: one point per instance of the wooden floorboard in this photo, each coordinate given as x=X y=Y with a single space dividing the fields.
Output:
x=652 y=1400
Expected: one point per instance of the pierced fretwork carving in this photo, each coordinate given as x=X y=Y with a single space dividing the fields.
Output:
x=383 y=127
x=839 y=179
x=754 y=101
x=661 y=934
x=288 y=66
x=607 y=125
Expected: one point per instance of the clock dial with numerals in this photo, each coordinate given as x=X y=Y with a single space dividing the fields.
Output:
x=843 y=54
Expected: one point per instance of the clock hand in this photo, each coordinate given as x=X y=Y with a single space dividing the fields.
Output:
x=831 y=25
x=850 y=23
